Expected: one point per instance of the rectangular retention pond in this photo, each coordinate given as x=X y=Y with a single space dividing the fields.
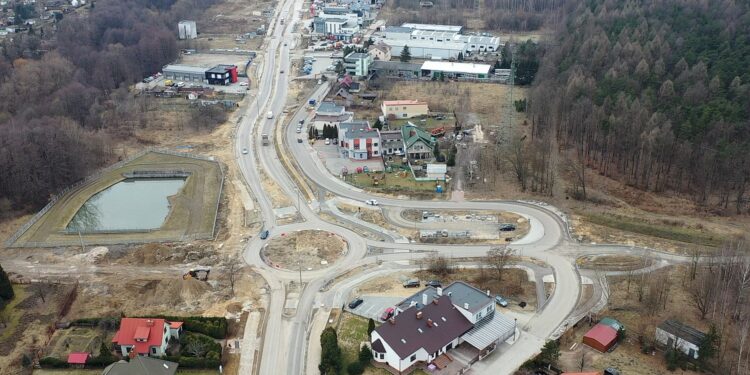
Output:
x=134 y=204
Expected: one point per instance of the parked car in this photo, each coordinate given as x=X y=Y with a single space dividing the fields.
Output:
x=264 y=234
x=372 y=202
x=244 y=150
x=356 y=302
x=282 y=71
x=299 y=140
x=433 y=283
x=328 y=141
x=299 y=130
x=387 y=314
x=413 y=283
x=501 y=301
x=507 y=227
x=243 y=83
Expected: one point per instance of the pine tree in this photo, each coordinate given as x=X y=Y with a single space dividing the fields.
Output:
x=330 y=355
x=405 y=55
x=460 y=56
x=377 y=125
x=6 y=288
x=370 y=327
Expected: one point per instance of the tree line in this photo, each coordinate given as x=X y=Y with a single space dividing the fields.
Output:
x=655 y=94
x=63 y=100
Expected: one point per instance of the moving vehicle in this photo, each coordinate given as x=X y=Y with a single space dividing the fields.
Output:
x=372 y=202
x=507 y=227
x=281 y=71
x=501 y=301
x=299 y=130
x=269 y=115
x=299 y=140
x=328 y=141
x=264 y=137
x=264 y=234
x=355 y=303
x=243 y=84
x=433 y=283
x=387 y=314
x=244 y=151
x=413 y=283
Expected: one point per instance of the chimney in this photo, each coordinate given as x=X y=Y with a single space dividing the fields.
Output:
x=440 y=291
x=424 y=298
x=419 y=315
x=149 y=323
x=429 y=322
x=412 y=303
x=488 y=292
x=466 y=306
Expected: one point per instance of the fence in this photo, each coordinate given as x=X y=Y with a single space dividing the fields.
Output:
x=10 y=241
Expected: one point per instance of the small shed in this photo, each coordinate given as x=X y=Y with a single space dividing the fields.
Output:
x=601 y=337
x=78 y=359
x=674 y=334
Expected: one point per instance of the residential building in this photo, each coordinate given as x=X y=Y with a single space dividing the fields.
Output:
x=334 y=25
x=434 y=321
x=418 y=144
x=145 y=336
x=329 y=109
x=380 y=51
x=674 y=334
x=141 y=366
x=222 y=75
x=187 y=30
x=447 y=69
x=349 y=126
x=429 y=27
x=361 y=144
x=392 y=142
x=427 y=49
x=357 y=64
x=395 y=69
x=404 y=108
x=184 y=73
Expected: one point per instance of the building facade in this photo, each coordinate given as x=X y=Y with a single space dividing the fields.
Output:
x=418 y=144
x=448 y=69
x=222 y=75
x=380 y=51
x=362 y=144
x=145 y=336
x=674 y=334
x=393 y=143
x=187 y=30
x=357 y=64
x=184 y=73
x=401 y=109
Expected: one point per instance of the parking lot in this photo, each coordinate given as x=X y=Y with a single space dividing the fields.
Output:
x=333 y=160
x=373 y=306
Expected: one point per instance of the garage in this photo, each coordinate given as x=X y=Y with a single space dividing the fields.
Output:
x=602 y=337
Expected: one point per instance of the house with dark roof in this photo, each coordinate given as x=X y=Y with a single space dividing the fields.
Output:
x=141 y=366
x=433 y=321
x=144 y=336
x=674 y=334
x=393 y=143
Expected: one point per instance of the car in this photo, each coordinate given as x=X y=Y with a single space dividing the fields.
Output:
x=355 y=303
x=328 y=141
x=507 y=227
x=372 y=202
x=433 y=283
x=387 y=314
x=281 y=71
x=264 y=234
x=413 y=283
x=501 y=301
x=244 y=150
x=301 y=122
x=299 y=130
x=284 y=44
x=299 y=140
x=243 y=83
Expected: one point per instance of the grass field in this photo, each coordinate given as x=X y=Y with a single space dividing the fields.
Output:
x=393 y=182
x=669 y=232
x=193 y=209
x=13 y=313
x=75 y=339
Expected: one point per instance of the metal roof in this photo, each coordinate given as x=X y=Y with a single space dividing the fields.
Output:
x=682 y=331
x=424 y=26
x=462 y=293
x=184 y=69
x=397 y=29
x=486 y=331
x=418 y=43
x=455 y=67
x=446 y=35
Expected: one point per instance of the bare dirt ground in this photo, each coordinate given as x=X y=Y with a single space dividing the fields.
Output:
x=375 y=216
x=233 y=17
x=484 y=227
x=315 y=249
x=613 y=262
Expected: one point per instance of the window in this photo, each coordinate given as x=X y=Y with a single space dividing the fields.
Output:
x=375 y=144
x=153 y=350
x=413 y=358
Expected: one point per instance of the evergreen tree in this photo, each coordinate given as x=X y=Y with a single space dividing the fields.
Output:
x=104 y=351
x=365 y=355
x=436 y=150
x=708 y=347
x=405 y=55
x=550 y=352
x=370 y=327
x=506 y=56
x=377 y=125
x=460 y=56
x=330 y=356
x=6 y=288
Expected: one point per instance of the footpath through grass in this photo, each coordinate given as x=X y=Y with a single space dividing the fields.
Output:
x=669 y=232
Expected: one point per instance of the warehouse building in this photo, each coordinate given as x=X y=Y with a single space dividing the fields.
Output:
x=427 y=49
x=429 y=27
x=184 y=73
x=446 y=69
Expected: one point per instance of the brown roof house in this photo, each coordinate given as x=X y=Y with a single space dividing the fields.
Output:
x=435 y=320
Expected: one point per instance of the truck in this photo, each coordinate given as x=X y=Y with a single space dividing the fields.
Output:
x=264 y=137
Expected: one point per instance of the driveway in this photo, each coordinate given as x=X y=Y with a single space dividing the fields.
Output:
x=373 y=306
x=334 y=162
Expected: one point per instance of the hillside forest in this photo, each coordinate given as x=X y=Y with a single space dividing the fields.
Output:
x=63 y=92
x=655 y=94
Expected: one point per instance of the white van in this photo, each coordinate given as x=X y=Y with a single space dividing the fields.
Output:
x=269 y=114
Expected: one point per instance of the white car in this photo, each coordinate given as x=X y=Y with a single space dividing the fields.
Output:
x=328 y=141
x=372 y=202
x=243 y=83
x=244 y=151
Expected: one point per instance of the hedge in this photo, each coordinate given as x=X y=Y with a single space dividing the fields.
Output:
x=52 y=362
x=194 y=362
x=215 y=327
x=101 y=361
x=209 y=344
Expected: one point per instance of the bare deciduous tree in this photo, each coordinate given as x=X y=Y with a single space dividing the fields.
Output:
x=498 y=258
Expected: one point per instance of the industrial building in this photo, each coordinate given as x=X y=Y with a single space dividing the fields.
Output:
x=427 y=49
x=184 y=73
x=222 y=75
x=397 y=32
x=187 y=30
x=429 y=27
x=446 y=69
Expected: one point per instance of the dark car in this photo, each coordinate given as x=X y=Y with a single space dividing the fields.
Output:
x=356 y=302
x=299 y=140
x=264 y=234
x=433 y=283
x=413 y=283
x=507 y=227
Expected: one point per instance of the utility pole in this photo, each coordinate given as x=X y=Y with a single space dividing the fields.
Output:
x=80 y=237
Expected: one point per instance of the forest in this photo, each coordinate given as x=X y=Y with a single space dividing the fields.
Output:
x=63 y=95
x=655 y=94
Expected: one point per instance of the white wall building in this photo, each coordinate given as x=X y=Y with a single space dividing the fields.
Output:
x=187 y=29
x=673 y=334
x=430 y=27
x=426 y=49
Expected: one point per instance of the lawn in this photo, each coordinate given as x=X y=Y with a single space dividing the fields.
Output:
x=12 y=313
x=393 y=182
x=351 y=333
x=669 y=232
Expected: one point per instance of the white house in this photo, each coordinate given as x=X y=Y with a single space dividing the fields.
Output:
x=380 y=51
x=361 y=144
x=674 y=334
x=145 y=336
x=433 y=321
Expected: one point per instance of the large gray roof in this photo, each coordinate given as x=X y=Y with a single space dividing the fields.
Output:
x=682 y=331
x=462 y=293
x=141 y=365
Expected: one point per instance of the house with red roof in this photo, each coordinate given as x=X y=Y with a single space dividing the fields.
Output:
x=145 y=336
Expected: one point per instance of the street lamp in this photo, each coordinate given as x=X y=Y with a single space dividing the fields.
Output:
x=515 y=324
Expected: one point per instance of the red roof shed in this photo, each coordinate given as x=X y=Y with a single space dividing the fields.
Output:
x=78 y=358
x=601 y=337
